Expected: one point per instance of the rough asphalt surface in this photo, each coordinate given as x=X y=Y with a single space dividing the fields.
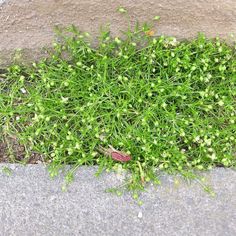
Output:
x=2 y=1
x=33 y=204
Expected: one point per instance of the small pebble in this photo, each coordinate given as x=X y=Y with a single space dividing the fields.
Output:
x=13 y=167
x=140 y=215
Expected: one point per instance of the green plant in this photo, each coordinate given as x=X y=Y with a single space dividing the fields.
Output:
x=7 y=171
x=168 y=104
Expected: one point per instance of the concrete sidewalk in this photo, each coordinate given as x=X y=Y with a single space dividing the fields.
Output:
x=28 y=24
x=32 y=204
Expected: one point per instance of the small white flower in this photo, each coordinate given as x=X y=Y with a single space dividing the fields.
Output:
x=64 y=100
x=94 y=154
x=117 y=40
x=208 y=142
x=221 y=103
x=202 y=93
x=87 y=35
x=140 y=100
x=144 y=148
x=213 y=156
x=196 y=139
x=156 y=18
x=154 y=41
x=122 y=10
x=153 y=55
x=164 y=154
x=209 y=75
x=70 y=151
x=173 y=42
x=66 y=83
x=143 y=120
x=164 y=105
x=23 y=90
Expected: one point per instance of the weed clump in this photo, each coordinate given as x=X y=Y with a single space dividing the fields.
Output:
x=168 y=105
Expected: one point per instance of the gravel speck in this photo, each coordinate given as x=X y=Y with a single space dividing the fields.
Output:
x=140 y=215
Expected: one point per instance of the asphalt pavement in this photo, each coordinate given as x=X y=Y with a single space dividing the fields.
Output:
x=31 y=203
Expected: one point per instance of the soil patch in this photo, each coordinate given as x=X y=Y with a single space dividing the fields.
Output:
x=14 y=152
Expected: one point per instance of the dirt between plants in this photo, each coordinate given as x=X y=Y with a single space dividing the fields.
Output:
x=12 y=152
x=28 y=24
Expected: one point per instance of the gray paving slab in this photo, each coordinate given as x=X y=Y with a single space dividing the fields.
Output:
x=2 y=1
x=33 y=204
